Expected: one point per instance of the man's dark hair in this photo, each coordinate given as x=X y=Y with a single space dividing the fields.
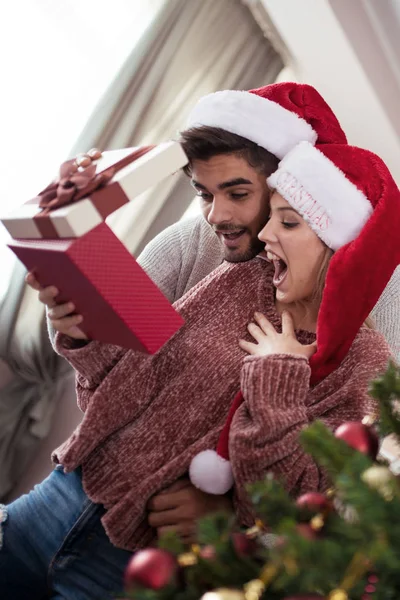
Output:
x=202 y=143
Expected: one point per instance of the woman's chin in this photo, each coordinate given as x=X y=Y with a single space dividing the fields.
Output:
x=283 y=291
x=282 y=296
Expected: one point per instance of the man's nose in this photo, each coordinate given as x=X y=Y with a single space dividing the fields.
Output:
x=219 y=212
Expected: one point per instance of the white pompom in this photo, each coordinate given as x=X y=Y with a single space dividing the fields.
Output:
x=211 y=473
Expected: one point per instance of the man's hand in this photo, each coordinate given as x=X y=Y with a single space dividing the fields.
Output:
x=61 y=315
x=178 y=507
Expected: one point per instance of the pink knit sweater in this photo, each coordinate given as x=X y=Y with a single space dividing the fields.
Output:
x=147 y=416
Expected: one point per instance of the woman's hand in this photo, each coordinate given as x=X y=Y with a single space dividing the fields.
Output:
x=269 y=341
x=61 y=316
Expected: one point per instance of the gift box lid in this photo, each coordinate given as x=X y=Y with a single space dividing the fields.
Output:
x=81 y=199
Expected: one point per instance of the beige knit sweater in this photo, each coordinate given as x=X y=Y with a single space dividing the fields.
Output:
x=181 y=255
x=147 y=416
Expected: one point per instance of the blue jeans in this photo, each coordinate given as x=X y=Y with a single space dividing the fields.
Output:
x=54 y=545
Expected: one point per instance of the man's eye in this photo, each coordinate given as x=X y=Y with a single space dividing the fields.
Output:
x=204 y=196
x=289 y=225
x=238 y=196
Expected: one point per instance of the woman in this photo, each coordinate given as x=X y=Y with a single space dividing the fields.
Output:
x=333 y=246
x=147 y=417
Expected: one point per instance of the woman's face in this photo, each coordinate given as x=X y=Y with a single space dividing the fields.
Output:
x=295 y=250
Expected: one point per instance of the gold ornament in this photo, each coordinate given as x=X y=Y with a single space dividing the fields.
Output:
x=253 y=532
x=369 y=420
x=317 y=523
x=330 y=493
x=338 y=595
x=379 y=478
x=260 y=524
x=257 y=528
x=224 y=594
x=268 y=573
x=187 y=559
x=253 y=590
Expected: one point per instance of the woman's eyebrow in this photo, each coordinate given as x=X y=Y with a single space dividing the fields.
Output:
x=282 y=208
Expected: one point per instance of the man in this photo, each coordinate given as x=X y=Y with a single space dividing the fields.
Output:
x=229 y=173
x=234 y=205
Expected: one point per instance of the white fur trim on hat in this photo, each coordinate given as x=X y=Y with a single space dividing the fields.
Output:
x=314 y=186
x=262 y=121
x=211 y=473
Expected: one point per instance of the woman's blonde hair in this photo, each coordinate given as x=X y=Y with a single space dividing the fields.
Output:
x=321 y=275
x=320 y=282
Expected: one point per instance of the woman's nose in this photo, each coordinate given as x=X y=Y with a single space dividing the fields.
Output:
x=267 y=233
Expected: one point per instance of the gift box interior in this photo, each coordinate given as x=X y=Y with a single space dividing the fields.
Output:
x=119 y=303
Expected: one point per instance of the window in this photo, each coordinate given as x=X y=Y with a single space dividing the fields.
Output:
x=57 y=60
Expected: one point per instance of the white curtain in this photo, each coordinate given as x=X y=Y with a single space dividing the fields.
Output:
x=193 y=48
x=57 y=62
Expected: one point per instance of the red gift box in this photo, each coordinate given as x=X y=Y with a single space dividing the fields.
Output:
x=119 y=303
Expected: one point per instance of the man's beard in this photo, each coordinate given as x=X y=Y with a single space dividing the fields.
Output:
x=235 y=256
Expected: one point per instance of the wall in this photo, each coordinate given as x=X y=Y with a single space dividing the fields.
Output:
x=324 y=56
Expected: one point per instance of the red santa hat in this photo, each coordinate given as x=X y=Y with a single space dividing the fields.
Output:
x=347 y=195
x=276 y=117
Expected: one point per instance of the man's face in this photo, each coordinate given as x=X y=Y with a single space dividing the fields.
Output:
x=234 y=199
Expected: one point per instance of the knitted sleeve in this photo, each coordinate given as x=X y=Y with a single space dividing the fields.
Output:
x=386 y=314
x=278 y=405
x=162 y=258
x=91 y=361
x=264 y=433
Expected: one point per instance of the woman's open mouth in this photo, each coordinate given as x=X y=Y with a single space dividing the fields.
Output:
x=280 y=268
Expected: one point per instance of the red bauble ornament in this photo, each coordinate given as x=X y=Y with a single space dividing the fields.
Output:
x=314 y=502
x=208 y=552
x=244 y=546
x=305 y=530
x=152 y=568
x=360 y=437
